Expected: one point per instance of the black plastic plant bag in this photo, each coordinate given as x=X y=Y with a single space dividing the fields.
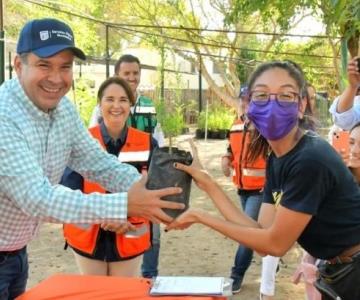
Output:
x=162 y=174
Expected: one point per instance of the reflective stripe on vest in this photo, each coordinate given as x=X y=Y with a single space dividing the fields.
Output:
x=136 y=156
x=127 y=246
x=253 y=172
x=237 y=127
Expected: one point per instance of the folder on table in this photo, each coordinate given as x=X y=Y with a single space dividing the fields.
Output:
x=191 y=285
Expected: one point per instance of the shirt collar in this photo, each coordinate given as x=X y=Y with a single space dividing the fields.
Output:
x=108 y=139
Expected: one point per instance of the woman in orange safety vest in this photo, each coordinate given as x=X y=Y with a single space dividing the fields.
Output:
x=98 y=249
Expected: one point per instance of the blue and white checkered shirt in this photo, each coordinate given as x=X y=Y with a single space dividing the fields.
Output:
x=35 y=148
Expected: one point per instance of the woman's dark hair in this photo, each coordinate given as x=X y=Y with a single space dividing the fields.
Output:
x=306 y=95
x=292 y=70
x=118 y=81
x=356 y=125
x=259 y=146
x=308 y=122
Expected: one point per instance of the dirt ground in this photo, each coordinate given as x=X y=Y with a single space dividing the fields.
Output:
x=196 y=251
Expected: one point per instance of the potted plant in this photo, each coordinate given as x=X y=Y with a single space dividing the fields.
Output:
x=220 y=119
x=172 y=123
x=161 y=170
x=225 y=124
x=211 y=125
x=200 y=131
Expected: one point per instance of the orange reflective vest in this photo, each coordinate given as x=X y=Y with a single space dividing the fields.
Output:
x=247 y=176
x=135 y=150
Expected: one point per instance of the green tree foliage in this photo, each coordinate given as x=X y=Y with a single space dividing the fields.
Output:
x=17 y=13
x=89 y=34
x=280 y=12
x=231 y=54
x=244 y=69
x=84 y=98
x=342 y=17
x=171 y=119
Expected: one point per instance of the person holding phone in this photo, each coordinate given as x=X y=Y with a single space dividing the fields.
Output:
x=340 y=141
x=310 y=196
x=346 y=108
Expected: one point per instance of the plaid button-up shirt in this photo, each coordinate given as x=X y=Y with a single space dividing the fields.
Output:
x=35 y=148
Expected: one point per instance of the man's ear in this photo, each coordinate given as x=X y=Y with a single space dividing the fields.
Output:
x=302 y=107
x=18 y=65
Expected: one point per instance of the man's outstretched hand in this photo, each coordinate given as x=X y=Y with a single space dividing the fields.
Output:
x=146 y=203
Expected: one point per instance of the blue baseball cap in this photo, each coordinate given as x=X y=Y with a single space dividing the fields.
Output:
x=47 y=37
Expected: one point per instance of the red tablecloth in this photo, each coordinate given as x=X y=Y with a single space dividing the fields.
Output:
x=81 y=287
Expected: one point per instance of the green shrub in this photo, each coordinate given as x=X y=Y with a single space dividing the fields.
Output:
x=219 y=118
x=201 y=121
x=173 y=122
x=84 y=98
x=171 y=119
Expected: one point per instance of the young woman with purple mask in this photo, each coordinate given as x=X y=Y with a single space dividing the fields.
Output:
x=310 y=196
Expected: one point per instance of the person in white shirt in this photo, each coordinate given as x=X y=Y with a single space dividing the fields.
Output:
x=345 y=109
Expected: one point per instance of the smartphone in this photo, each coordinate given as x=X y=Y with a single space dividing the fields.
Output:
x=340 y=141
x=358 y=64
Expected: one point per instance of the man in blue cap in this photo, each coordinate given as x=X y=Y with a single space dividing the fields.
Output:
x=40 y=134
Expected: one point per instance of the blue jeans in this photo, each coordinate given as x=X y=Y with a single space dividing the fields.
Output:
x=251 y=205
x=149 y=267
x=13 y=274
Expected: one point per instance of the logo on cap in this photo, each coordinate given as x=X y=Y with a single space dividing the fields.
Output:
x=44 y=35
x=62 y=34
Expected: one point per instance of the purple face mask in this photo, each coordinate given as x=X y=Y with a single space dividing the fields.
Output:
x=272 y=120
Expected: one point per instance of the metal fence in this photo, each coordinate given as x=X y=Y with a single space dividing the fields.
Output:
x=189 y=98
